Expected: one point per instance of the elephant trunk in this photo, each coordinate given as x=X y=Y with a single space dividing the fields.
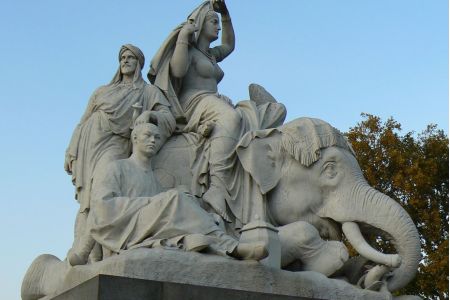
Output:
x=363 y=204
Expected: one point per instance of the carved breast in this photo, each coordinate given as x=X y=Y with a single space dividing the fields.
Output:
x=208 y=69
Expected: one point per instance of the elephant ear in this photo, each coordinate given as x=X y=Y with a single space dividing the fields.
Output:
x=260 y=155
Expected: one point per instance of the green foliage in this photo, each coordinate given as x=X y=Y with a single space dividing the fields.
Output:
x=413 y=170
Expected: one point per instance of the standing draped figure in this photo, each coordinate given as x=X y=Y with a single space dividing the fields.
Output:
x=103 y=134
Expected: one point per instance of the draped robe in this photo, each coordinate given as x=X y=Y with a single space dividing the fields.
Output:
x=130 y=210
x=103 y=134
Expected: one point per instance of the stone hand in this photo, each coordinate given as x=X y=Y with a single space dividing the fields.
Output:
x=147 y=117
x=188 y=29
x=220 y=6
x=68 y=164
x=153 y=118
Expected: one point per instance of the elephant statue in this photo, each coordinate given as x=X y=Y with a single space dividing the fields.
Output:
x=314 y=190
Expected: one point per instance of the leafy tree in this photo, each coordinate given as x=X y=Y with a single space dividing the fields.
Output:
x=413 y=170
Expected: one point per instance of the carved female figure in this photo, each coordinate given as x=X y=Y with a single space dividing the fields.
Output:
x=186 y=69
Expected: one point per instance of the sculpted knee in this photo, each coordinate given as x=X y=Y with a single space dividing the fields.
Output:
x=299 y=234
x=229 y=118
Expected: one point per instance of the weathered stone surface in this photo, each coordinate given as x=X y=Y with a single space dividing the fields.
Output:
x=240 y=163
x=106 y=287
x=216 y=271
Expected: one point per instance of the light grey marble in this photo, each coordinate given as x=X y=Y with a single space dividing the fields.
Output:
x=207 y=270
x=253 y=195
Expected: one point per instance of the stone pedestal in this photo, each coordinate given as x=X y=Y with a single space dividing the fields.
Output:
x=106 y=287
x=173 y=274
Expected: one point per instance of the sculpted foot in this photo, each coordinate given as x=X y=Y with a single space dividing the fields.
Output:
x=75 y=259
x=196 y=242
x=79 y=253
x=251 y=251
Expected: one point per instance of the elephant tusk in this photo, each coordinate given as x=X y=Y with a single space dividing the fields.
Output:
x=354 y=236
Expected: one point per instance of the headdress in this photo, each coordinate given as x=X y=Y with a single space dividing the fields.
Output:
x=137 y=73
x=159 y=73
x=136 y=51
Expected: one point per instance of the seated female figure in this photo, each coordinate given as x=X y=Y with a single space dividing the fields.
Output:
x=195 y=74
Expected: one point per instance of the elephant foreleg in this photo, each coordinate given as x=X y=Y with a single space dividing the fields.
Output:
x=301 y=241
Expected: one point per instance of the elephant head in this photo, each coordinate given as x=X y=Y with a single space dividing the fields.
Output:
x=309 y=172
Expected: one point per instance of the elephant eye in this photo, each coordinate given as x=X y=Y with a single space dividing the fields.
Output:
x=329 y=169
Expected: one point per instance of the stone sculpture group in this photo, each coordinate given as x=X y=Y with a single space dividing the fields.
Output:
x=176 y=165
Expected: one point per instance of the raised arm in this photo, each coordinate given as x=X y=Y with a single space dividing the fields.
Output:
x=180 y=61
x=228 y=37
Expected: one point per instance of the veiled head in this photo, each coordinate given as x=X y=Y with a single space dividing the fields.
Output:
x=131 y=59
x=135 y=51
x=199 y=17
x=211 y=26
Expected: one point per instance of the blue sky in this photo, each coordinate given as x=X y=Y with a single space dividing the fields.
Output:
x=321 y=58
